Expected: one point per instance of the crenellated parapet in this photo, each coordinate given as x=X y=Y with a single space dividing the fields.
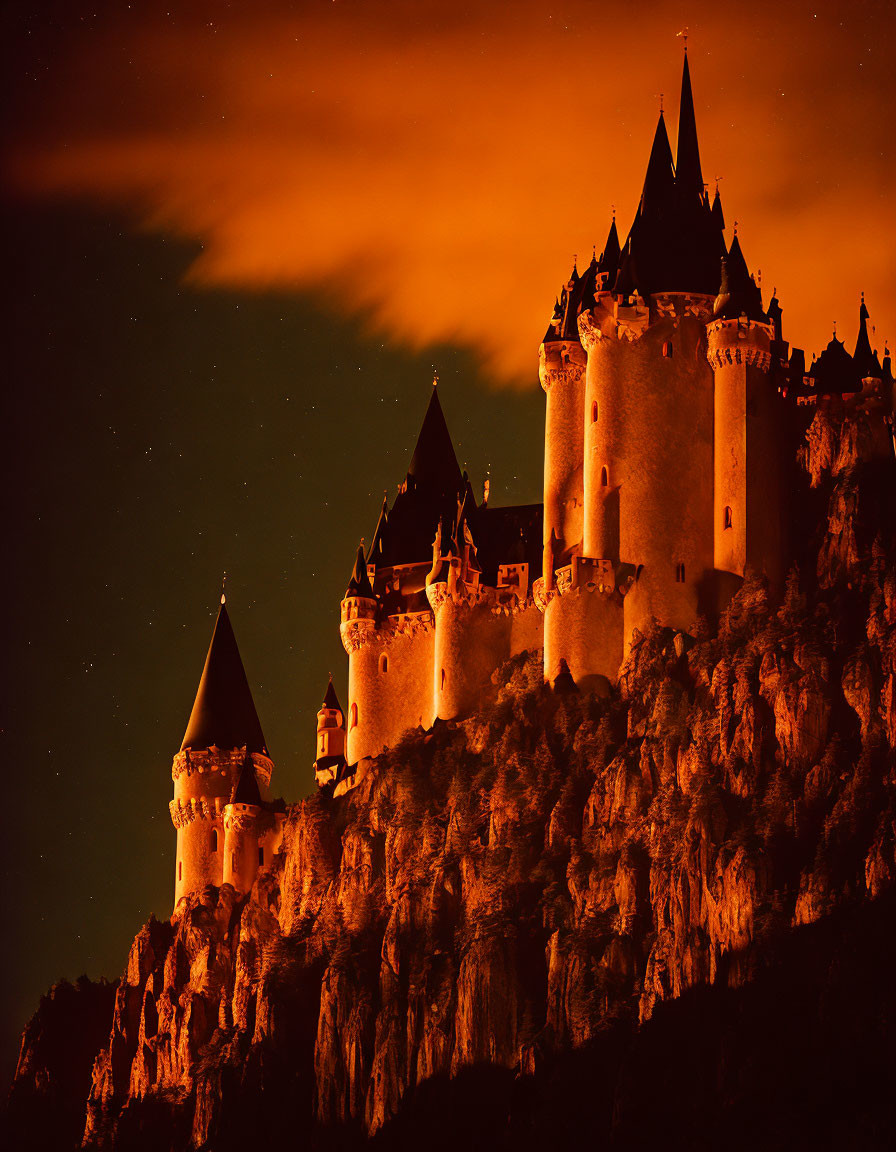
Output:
x=184 y=812
x=561 y=362
x=739 y=341
x=214 y=763
x=585 y=574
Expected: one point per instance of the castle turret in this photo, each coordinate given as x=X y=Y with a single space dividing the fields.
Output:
x=223 y=736
x=330 y=756
x=243 y=844
x=749 y=422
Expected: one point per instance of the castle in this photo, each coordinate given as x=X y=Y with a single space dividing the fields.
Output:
x=670 y=394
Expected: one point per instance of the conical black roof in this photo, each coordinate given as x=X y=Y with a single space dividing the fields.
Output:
x=688 y=175
x=608 y=265
x=245 y=791
x=331 y=700
x=224 y=711
x=866 y=361
x=434 y=464
x=359 y=585
x=739 y=295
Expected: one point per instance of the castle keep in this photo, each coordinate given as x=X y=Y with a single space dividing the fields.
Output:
x=670 y=397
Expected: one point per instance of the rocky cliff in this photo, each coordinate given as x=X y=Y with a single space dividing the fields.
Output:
x=664 y=915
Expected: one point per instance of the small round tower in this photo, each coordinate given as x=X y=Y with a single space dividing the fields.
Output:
x=222 y=736
x=330 y=747
x=243 y=831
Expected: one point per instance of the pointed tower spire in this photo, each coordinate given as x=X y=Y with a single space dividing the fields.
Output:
x=434 y=464
x=359 y=585
x=688 y=174
x=659 y=183
x=224 y=712
x=246 y=790
x=331 y=700
x=866 y=359
x=608 y=265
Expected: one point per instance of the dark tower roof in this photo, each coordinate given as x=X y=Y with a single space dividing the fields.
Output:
x=609 y=258
x=739 y=294
x=835 y=371
x=675 y=241
x=717 y=214
x=223 y=711
x=245 y=791
x=688 y=175
x=434 y=464
x=866 y=361
x=359 y=585
x=659 y=183
x=331 y=700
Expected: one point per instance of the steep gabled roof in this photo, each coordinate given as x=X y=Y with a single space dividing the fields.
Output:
x=245 y=791
x=224 y=711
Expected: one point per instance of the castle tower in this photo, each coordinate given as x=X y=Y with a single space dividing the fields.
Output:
x=223 y=736
x=647 y=429
x=330 y=738
x=749 y=421
x=576 y=611
x=243 y=848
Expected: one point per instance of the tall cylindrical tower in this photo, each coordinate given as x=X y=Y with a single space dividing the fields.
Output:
x=649 y=453
x=561 y=369
x=747 y=521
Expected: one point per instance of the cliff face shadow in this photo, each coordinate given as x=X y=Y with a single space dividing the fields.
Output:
x=801 y=1057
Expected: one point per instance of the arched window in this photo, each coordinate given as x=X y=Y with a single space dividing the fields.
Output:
x=214 y=839
x=260 y=855
x=384 y=663
x=594 y=412
x=667 y=349
x=728 y=518
x=354 y=716
x=679 y=573
x=443 y=679
x=180 y=869
x=604 y=478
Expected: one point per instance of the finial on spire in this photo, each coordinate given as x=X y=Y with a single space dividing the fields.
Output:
x=435 y=379
x=613 y=210
x=684 y=34
x=224 y=588
x=735 y=227
x=660 y=96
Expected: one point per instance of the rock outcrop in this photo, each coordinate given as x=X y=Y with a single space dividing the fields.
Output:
x=532 y=913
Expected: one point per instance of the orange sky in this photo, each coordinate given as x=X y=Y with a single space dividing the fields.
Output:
x=436 y=171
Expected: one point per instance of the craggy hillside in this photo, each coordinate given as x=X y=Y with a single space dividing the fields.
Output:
x=662 y=916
